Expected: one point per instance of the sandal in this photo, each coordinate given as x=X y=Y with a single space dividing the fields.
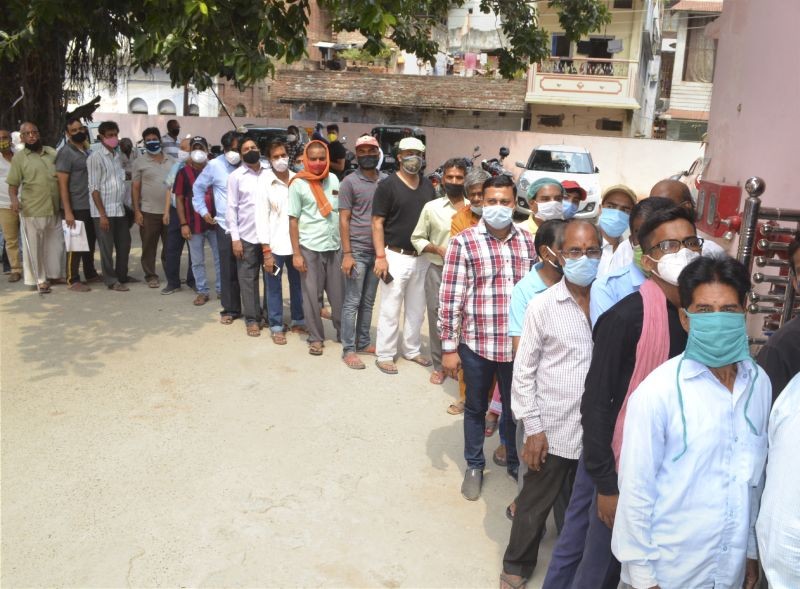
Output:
x=437 y=377
x=325 y=313
x=44 y=288
x=509 y=582
x=253 y=329
x=456 y=408
x=279 y=338
x=353 y=361
x=368 y=350
x=421 y=361
x=491 y=427
x=315 y=348
x=299 y=330
x=386 y=367
x=200 y=299
x=226 y=319
x=511 y=510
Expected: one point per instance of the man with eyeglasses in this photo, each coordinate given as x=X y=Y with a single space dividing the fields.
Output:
x=33 y=172
x=631 y=339
x=550 y=366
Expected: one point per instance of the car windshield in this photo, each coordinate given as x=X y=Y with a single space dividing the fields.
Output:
x=561 y=161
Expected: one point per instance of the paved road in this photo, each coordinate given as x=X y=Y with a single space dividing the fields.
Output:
x=144 y=444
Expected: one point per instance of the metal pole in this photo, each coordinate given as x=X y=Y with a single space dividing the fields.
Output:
x=755 y=188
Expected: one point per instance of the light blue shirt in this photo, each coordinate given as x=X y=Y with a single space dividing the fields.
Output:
x=612 y=288
x=689 y=520
x=215 y=174
x=169 y=181
x=523 y=293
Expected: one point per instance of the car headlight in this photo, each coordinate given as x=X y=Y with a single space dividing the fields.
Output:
x=523 y=186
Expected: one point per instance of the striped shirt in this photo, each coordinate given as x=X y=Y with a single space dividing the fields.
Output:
x=107 y=176
x=554 y=354
x=479 y=273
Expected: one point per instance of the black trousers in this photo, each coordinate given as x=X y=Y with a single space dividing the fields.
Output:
x=539 y=492
x=249 y=271
x=74 y=259
x=231 y=297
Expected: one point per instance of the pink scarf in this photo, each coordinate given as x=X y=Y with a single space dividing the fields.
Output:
x=651 y=351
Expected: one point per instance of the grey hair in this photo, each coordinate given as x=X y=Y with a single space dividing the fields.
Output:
x=475 y=176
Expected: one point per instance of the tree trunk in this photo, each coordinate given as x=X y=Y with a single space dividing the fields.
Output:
x=40 y=73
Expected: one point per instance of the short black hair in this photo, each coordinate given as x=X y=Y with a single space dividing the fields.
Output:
x=574 y=221
x=794 y=247
x=71 y=120
x=710 y=269
x=333 y=127
x=169 y=122
x=151 y=131
x=657 y=219
x=274 y=144
x=293 y=127
x=548 y=234
x=107 y=126
x=501 y=181
x=245 y=139
x=455 y=162
x=644 y=208
x=228 y=138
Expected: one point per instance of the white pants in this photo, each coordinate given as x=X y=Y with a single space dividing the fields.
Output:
x=45 y=238
x=407 y=290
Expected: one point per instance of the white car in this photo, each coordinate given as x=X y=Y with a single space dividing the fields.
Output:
x=562 y=162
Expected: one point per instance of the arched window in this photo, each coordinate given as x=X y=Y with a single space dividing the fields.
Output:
x=166 y=107
x=241 y=110
x=137 y=107
x=194 y=110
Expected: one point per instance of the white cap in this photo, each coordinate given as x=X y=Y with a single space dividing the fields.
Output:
x=411 y=143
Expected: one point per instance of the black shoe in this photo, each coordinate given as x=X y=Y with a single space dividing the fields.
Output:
x=168 y=290
x=513 y=473
x=473 y=481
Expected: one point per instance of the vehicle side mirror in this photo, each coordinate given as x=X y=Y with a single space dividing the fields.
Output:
x=596 y=170
x=476 y=149
x=520 y=165
x=504 y=152
x=343 y=139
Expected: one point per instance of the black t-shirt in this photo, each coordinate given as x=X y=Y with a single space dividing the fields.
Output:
x=400 y=207
x=616 y=335
x=780 y=356
x=337 y=152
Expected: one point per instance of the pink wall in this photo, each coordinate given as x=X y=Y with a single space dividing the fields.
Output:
x=639 y=163
x=754 y=127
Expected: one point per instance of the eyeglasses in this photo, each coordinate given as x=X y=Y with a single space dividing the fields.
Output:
x=574 y=253
x=29 y=134
x=673 y=246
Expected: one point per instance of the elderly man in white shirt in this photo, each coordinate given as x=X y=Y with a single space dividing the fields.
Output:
x=553 y=357
x=272 y=225
x=778 y=526
x=694 y=447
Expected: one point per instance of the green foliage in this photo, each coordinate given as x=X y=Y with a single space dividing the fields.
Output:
x=355 y=54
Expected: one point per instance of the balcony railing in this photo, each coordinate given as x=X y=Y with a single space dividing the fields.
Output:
x=584 y=81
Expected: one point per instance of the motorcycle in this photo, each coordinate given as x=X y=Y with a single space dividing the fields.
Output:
x=494 y=166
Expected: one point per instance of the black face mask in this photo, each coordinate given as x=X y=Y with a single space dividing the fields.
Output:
x=251 y=157
x=453 y=189
x=368 y=162
x=34 y=146
x=79 y=137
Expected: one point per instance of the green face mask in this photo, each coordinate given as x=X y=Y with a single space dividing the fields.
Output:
x=637 y=259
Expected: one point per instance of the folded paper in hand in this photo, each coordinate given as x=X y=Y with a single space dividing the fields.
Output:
x=75 y=238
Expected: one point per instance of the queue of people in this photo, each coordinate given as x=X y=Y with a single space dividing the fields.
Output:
x=616 y=352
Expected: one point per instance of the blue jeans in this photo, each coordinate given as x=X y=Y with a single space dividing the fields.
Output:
x=174 y=246
x=275 y=295
x=359 y=298
x=198 y=257
x=478 y=375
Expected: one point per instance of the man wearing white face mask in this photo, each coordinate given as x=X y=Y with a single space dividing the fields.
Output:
x=215 y=176
x=550 y=367
x=545 y=199
x=481 y=266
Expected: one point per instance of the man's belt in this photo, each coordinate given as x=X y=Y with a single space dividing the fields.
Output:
x=399 y=250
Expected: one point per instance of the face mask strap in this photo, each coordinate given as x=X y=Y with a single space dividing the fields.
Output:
x=749 y=396
x=683 y=413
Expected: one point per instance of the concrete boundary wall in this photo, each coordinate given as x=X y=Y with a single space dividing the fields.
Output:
x=639 y=163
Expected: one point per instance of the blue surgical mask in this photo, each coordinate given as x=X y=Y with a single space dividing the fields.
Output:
x=717 y=339
x=569 y=208
x=582 y=271
x=497 y=216
x=613 y=222
x=153 y=147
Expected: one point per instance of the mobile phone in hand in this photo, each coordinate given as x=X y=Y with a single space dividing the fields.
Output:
x=276 y=270
x=387 y=278
x=354 y=272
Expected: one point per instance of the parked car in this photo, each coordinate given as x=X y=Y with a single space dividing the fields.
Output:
x=562 y=162
x=265 y=135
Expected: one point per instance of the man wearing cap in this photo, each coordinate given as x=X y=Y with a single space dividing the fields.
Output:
x=545 y=200
x=573 y=198
x=396 y=209
x=356 y=194
x=430 y=238
x=616 y=205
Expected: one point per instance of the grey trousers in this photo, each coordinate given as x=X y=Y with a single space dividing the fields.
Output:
x=248 y=269
x=118 y=237
x=433 y=281
x=324 y=273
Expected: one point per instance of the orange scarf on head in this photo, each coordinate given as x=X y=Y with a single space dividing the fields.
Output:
x=315 y=180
